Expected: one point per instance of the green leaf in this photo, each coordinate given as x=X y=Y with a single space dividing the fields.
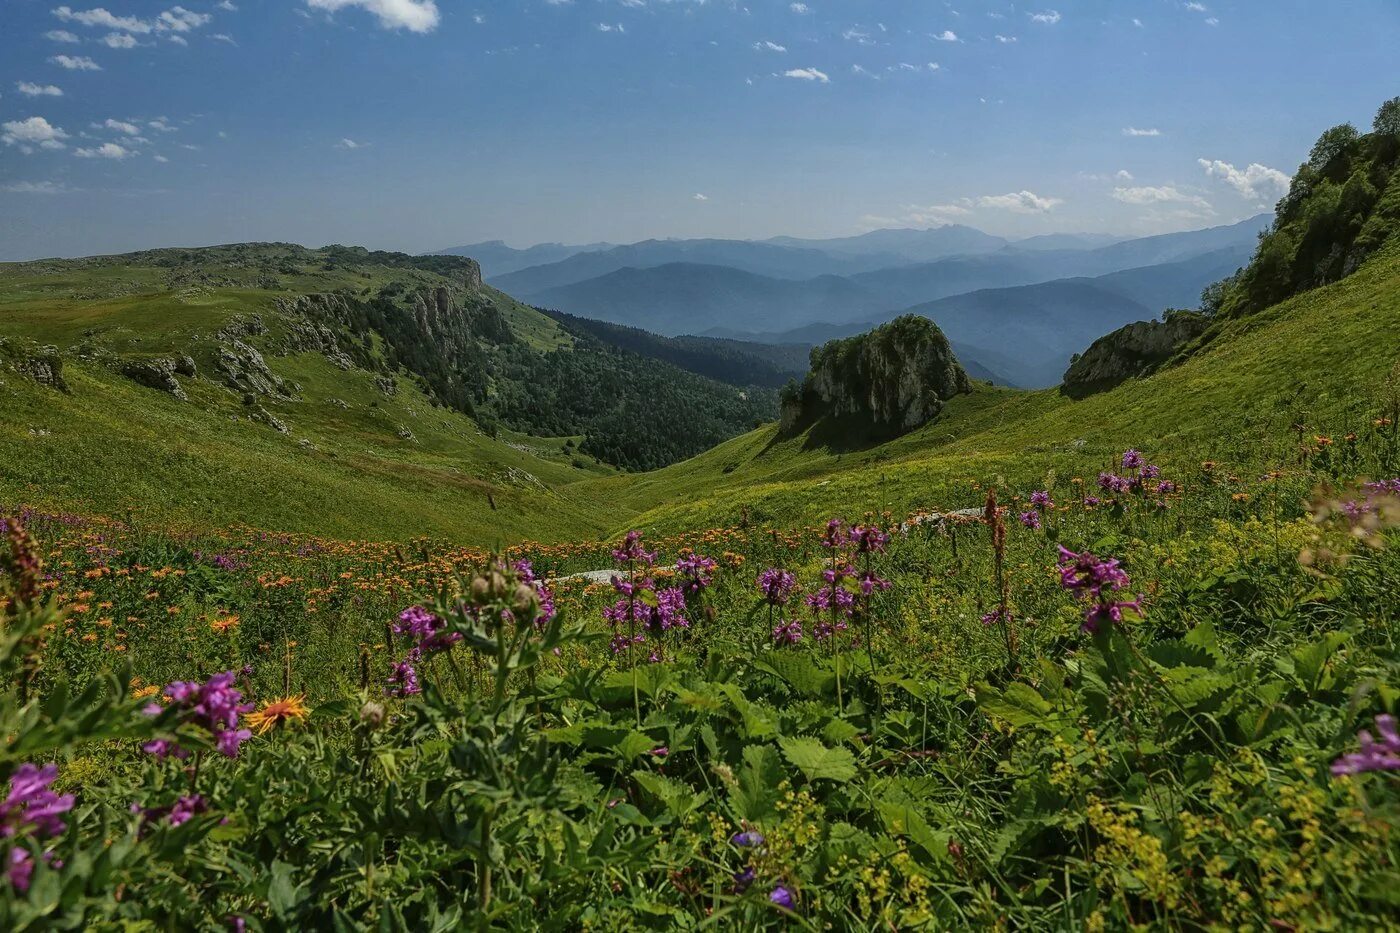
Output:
x=816 y=761
x=757 y=791
x=1019 y=704
x=799 y=670
x=675 y=796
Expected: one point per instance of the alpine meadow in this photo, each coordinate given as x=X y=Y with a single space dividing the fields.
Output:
x=787 y=532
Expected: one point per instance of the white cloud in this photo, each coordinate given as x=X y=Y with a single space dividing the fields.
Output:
x=769 y=46
x=161 y=125
x=798 y=8
x=224 y=37
x=1138 y=23
x=100 y=18
x=119 y=40
x=1212 y=21
x=105 y=151
x=1020 y=202
x=1196 y=7
x=611 y=27
x=1256 y=182
x=36 y=187
x=61 y=35
x=946 y=35
x=1123 y=175
x=29 y=89
x=130 y=129
x=857 y=35
x=161 y=159
x=80 y=63
x=807 y=74
x=1165 y=194
x=348 y=143
x=228 y=6
x=697 y=196
x=1134 y=131
x=420 y=16
x=1050 y=17
x=179 y=19
x=1005 y=40
x=35 y=131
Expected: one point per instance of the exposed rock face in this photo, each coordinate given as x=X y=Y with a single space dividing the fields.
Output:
x=244 y=369
x=159 y=373
x=1134 y=350
x=386 y=384
x=315 y=337
x=898 y=376
x=44 y=366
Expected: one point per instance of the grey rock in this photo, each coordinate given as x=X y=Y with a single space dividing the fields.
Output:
x=1134 y=350
x=244 y=370
x=386 y=384
x=157 y=373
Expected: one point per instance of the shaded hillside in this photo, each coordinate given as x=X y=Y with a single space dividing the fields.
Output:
x=681 y=298
x=909 y=245
x=735 y=362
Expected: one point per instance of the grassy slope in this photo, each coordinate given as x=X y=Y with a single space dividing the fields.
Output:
x=113 y=446
x=1320 y=356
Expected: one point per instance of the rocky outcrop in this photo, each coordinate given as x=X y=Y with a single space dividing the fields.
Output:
x=1135 y=350
x=44 y=365
x=304 y=336
x=243 y=369
x=897 y=376
x=159 y=373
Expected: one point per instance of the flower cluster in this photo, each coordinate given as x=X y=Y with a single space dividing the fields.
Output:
x=644 y=608
x=215 y=705
x=184 y=807
x=1136 y=476
x=777 y=586
x=31 y=810
x=1095 y=580
x=1382 y=755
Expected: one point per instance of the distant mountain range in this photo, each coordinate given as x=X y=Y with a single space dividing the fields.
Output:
x=1020 y=308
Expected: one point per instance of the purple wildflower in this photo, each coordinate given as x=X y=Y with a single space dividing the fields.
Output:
x=1031 y=520
x=631 y=550
x=1040 y=499
x=698 y=572
x=787 y=633
x=215 y=705
x=20 y=871
x=743 y=880
x=747 y=839
x=833 y=537
x=417 y=622
x=403 y=679
x=1132 y=460
x=1093 y=579
x=868 y=539
x=782 y=897
x=1383 y=755
x=777 y=585
x=30 y=807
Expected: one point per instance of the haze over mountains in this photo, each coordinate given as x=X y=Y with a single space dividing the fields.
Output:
x=1016 y=311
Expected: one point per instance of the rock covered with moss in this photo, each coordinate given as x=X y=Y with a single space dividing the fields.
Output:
x=1133 y=350
x=897 y=376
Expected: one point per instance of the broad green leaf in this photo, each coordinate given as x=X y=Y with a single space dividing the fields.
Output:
x=816 y=761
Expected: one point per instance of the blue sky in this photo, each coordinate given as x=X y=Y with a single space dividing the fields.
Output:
x=415 y=124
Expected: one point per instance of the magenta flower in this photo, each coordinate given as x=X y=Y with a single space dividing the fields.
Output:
x=787 y=633
x=631 y=550
x=31 y=808
x=777 y=585
x=869 y=539
x=1031 y=520
x=1382 y=755
x=1132 y=460
x=782 y=897
x=215 y=705
x=1040 y=499
x=1095 y=580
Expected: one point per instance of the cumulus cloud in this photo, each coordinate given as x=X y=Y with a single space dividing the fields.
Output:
x=228 y=6
x=946 y=35
x=769 y=46
x=420 y=16
x=807 y=74
x=697 y=196
x=611 y=27
x=119 y=40
x=1006 y=40
x=161 y=125
x=61 y=35
x=1196 y=7
x=130 y=129
x=105 y=151
x=79 y=63
x=1020 y=202
x=1135 y=131
x=1256 y=182
x=29 y=89
x=1049 y=17
x=32 y=132
x=798 y=7
x=1165 y=194
x=179 y=19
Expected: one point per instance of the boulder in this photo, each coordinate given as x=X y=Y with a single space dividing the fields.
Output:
x=155 y=373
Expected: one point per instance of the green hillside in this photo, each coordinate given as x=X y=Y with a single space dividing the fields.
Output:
x=1315 y=359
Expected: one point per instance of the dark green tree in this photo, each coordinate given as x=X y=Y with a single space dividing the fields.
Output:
x=1332 y=143
x=1388 y=118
